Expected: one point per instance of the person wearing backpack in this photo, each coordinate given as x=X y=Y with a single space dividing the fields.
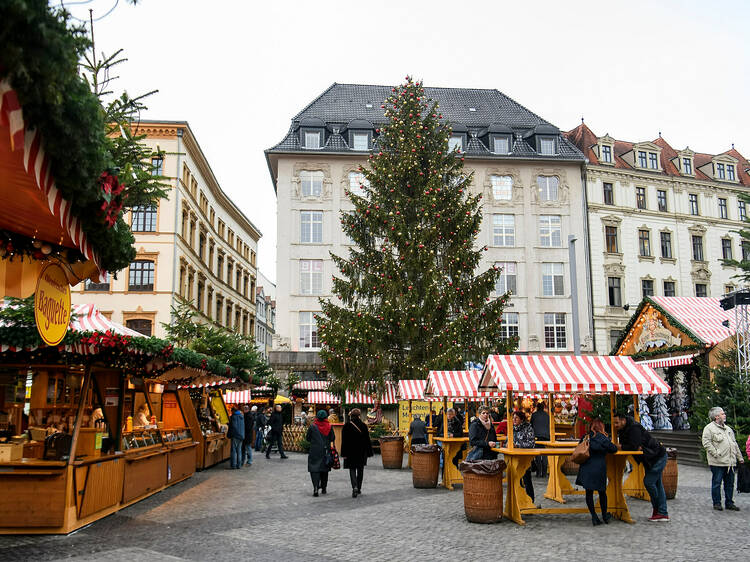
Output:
x=723 y=454
x=592 y=474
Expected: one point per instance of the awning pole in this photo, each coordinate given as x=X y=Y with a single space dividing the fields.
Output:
x=612 y=417
x=445 y=416
x=550 y=411
x=509 y=419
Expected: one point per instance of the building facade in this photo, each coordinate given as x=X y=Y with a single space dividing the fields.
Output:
x=660 y=222
x=530 y=176
x=196 y=244
x=265 y=307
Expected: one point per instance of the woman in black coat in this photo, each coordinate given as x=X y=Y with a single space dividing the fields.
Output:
x=355 y=448
x=482 y=437
x=320 y=436
x=592 y=474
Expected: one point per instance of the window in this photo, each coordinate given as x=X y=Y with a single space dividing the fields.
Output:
x=503 y=230
x=726 y=248
x=312 y=140
x=311 y=227
x=548 y=187
x=730 y=172
x=311 y=277
x=745 y=251
x=141 y=276
x=687 y=166
x=360 y=141
x=722 y=208
x=610 y=234
x=228 y=318
x=614 y=337
x=89 y=285
x=554 y=330
x=500 y=145
x=507 y=279
x=157 y=166
x=547 y=146
x=308 y=331
x=701 y=290
x=199 y=296
x=642 y=159
x=456 y=142
x=219 y=308
x=698 y=248
x=220 y=267
x=669 y=289
x=357 y=182
x=742 y=210
x=661 y=198
x=640 y=197
x=653 y=161
x=644 y=243
x=606 y=153
x=693 y=204
x=609 y=196
x=552 y=280
x=202 y=245
x=550 y=231
x=143 y=219
x=666 y=244
x=720 y=172
x=728 y=289
x=615 y=291
x=311 y=183
x=502 y=188
x=140 y=325
x=509 y=325
x=647 y=287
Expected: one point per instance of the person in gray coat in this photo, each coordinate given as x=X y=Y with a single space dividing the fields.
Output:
x=320 y=436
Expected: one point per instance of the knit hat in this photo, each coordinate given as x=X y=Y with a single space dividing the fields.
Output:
x=322 y=415
x=254 y=409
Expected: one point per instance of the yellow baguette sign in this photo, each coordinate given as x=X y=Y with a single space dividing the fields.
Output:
x=52 y=304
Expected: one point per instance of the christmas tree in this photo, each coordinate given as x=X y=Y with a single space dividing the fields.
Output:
x=646 y=421
x=661 y=412
x=408 y=297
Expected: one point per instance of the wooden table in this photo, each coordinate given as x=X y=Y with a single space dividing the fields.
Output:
x=518 y=503
x=451 y=446
x=557 y=484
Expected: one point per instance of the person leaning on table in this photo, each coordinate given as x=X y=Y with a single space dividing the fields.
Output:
x=592 y=474
x=723 y=454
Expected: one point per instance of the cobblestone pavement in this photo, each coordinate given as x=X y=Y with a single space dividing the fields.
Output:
x=267 y=512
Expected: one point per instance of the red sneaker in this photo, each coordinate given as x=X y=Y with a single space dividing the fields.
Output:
x=658 y=517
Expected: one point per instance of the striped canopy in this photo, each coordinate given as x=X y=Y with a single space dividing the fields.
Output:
x=701 y=315
x=237 y=396
x=320 y=397
x=570 y=373
x=414 y=390
x=311 y=385
x=457 y=384
x=89 y=319
x=669 y=361
x=359 y=397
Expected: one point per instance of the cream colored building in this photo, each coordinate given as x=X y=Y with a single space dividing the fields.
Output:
x=531 y=179
x=660 y=220
x=195 y=244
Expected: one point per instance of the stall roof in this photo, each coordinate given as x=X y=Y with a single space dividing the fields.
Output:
x=360 y=397
x=703 y=316
x=457 y=384
x=89 y=319
x=320 y=397
x=570 y=373
x=414 y=390
x=311 y=385
x=669 y=361
x=237 y=396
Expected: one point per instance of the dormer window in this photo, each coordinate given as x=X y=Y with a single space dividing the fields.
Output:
x=547 y=146
x=311 y=130
x=499 y=138
x=456 y=142
x=606 y=153
x=720 y=171
x=687 y=166
x=360 y=141
x=312 y=140
x=653 y=161
x=648 y=159
x=543 y=138
x=730 y=172
x=360 y=134
x=501 y=144
x=724 y=168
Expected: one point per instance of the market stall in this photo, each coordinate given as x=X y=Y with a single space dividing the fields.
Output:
x=572 y=374
x=208 y=417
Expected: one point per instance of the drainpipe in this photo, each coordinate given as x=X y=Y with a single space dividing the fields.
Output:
x=587 y=256
x=175 y=261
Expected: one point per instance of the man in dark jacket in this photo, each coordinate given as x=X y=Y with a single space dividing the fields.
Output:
x=633 y=437
x=237 y=435
x=418 y=431
x=276 y=424
x=260 y=425
x=540 y=423
x=247 y=442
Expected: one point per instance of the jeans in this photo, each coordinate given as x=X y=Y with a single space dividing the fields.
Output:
x=236 y=454
x=319 y=480
x=654 y=487
x=721 y=474
x=258 y=439
x=356 y=475
x=274 y=437
x=247 y=452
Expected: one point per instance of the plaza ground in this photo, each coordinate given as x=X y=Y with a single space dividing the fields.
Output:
x=267 y=512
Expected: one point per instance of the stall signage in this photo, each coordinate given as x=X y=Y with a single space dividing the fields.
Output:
x=654 y=334
x=52 y=304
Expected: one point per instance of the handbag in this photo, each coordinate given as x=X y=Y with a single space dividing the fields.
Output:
x=335 y=463
x=581 y=453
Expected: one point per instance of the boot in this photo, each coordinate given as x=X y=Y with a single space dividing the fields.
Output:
x=607 y=517
x=595 y=520
x=315 y=492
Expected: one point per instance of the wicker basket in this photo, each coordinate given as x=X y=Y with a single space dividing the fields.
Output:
x=569 y=467
x=669 y=475
x=392 y=451
x=425 y=468
x=483 y=496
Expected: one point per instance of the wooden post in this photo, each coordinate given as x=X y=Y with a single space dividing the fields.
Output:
x=612 y=404
x=445 y=416
x=509 y=419
x=551 y=412
x=79 y=414
x=466 y=417
x=410 y=417
x=636 y=408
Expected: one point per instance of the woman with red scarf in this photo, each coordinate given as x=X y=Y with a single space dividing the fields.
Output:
x=320 y=436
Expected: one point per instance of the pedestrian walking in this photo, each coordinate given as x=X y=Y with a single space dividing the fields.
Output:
x=247 y=442
x=723 y=454
x=482 y=437
x=320 y=436
x=237 y=435
x=523 y=438
x=418 y=431
x=356 y=447
x=633 y=437
x=592 y=475
x=540 y=423
x=276 y=423
x=260 y=425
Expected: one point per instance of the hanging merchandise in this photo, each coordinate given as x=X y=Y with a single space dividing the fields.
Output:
x=661 y=412
x=679 y=402
x=646 y=421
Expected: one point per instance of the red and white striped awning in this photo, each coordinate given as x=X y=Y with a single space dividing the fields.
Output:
x=237 y=397
x=311 y=385
x=321 y=397
x=669 y=361
x=414 y=390
x=701 y=315
x=262 y=389
x=457 y=384
x=570 y=373
x=89 y=319
x=215 y=382
x=359 y=397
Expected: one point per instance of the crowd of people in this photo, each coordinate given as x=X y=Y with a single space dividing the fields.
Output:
x=268 y=427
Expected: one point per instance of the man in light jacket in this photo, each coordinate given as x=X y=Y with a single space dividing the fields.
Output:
x=723 y=454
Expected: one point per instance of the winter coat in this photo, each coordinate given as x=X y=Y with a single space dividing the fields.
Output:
x=721 y=446
x=276 y=422
x=260 y=421
x=456 y=426
x=633 y=438
x=418 y=430
x=480 y=437
x=592 y=474
x=236 y=425
x=523 y=436
x=355 y=444
x=316 y=458
x=249 y=423
x=540 y=423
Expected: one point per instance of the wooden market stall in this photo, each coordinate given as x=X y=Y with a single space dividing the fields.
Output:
x=208 y=418
x=410 y=391
x=573 y=374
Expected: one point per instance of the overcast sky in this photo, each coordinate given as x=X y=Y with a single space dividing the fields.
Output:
x=238 y=71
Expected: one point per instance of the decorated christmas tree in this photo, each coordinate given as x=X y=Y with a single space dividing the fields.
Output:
x=661 y=412
x=680 y=402
x=409 y=298
x=645 y=412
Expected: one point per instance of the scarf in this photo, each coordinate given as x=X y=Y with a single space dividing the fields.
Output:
x=323 y=426
x=487 y=424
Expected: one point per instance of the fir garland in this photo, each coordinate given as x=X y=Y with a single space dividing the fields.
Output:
x=662 y=350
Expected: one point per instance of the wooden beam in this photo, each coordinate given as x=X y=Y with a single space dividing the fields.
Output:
x=612 y=403
x=79 y=415
x=551 y=411
x=445 y=416
x=636 y=408
x=509 y=418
